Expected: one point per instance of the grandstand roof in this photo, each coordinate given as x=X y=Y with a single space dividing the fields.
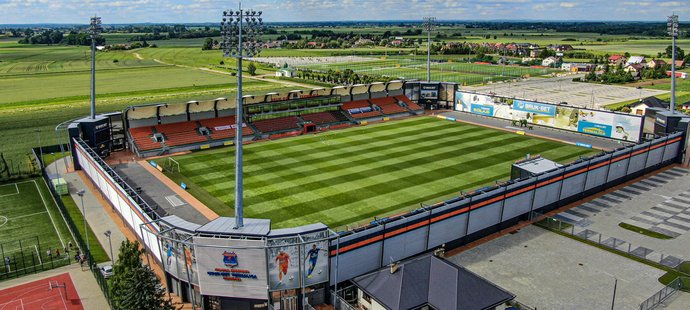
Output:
x=225 y=226
x=538 y=165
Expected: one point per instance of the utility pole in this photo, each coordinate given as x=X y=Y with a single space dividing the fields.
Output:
x=234 y=45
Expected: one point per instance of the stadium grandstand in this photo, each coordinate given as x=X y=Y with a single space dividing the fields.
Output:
x=166 y=128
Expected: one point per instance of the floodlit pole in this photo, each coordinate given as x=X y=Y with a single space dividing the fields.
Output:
x=673 y=32
x=237 y=46
x=94 y=31
x=428 y=26
x=83 y=211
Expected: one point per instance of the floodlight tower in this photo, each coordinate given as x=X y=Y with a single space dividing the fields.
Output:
x=95 y=30
x=673 y=32
x=239 y=46
x=428 y=26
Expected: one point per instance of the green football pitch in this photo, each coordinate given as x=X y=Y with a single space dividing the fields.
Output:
x=30 y=225
x=349 y=176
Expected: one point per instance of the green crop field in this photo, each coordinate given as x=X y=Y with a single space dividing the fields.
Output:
x=349 y=176
x=30 y=224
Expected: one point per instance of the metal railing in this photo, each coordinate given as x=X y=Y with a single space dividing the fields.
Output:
x=662 y=295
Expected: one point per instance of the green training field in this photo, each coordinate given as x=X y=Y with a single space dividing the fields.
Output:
x=349 y=176
x=405 y=68
x=30 y=224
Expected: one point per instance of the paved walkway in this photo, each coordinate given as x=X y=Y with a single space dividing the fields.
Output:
x=89 y=292
x=95 y=205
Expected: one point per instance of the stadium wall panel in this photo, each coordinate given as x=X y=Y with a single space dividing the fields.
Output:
x=447 y=229
x=126 y=206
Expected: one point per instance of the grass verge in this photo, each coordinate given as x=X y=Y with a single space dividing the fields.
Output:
x=97 y=250
x=645 y=232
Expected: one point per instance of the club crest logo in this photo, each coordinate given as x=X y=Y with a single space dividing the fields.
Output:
x=230 y=259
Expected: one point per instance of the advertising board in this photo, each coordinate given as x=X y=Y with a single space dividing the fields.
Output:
x=231 y=267
x=428 y=92
x=315 y=258
x=284 y=263
x=593 y=122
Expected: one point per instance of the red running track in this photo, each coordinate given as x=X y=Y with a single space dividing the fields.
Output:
x=42 y=295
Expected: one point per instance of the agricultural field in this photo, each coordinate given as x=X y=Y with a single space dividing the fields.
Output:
x=349 y=176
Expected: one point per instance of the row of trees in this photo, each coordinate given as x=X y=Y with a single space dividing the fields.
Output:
x=346 y=76
x=51 y=36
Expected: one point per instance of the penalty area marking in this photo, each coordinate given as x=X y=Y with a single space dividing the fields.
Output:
x=16 y=188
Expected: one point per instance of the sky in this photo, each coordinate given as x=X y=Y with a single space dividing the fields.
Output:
x=191 y=11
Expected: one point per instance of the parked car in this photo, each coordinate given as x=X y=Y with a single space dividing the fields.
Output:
x=107 y=271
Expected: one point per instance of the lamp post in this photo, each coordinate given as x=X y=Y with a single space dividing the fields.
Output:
x=94 y=31
x=234 y=44
x=40 y=147
x=83 y=211
x=673 y=32
x=428 y=26
x=107 y=233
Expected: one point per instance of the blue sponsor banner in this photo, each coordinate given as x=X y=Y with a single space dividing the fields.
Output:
x=183 y=185
x=153 y=163
x=483 y=109
x=450 y=119
x=589 y=146
x=533 y=107
x=594 y=128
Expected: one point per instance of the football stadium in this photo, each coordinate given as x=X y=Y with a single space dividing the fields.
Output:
x=337 y=181
x=341 y=182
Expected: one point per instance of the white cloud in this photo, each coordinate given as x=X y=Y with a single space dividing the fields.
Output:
x=568 y=4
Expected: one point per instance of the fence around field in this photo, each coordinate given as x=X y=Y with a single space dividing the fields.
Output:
x=665 y=293
x=27 y=256
x=80 y=240
x=612 y=243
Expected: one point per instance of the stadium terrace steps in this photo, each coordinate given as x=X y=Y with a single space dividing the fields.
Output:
x=142 y=138
x=413 y=106
x=388 y=105
x=322 y=118
x=277 y=124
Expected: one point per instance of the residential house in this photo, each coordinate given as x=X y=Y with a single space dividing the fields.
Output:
x=566 y=66
x=551 y=61
x=560 y=47
x=285 y=71
x=639 y=108
x=680 y=64
x=654 y=63
x=363 y=42
x=617 y=60
x=535 y=52
x=634 y=69
x=396 y=42
x=685 y=106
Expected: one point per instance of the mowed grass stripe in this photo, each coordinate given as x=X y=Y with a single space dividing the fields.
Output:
x=365 y=171
x=409 y=128
x=338 y=159
x=362 y=189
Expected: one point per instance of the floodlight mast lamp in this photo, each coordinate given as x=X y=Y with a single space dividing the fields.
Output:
x=672 y=24
x=428 y=26
x=95 y=30
x=239 y=45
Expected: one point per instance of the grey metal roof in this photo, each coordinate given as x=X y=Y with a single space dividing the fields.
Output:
x=429 y=280
x=179 y=223
x=297 y=230
x=538 y=165
x=225 y=226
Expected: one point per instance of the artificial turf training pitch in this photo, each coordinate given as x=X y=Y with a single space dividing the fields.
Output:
x=349 y=176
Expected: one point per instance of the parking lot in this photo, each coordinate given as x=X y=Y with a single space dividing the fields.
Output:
x=563 y=89
x=549 y=271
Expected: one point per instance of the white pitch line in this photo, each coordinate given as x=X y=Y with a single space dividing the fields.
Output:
x=26 y=215
x=49 y=215
x=16 y=187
